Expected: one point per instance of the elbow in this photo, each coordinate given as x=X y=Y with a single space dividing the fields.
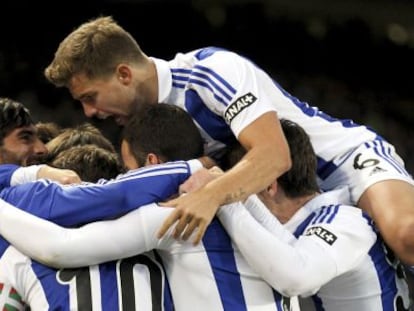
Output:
x=404 y=244
x=292 y=284
x=51 y=259
x=292 y=288
x=284 y=163
x=280 y=159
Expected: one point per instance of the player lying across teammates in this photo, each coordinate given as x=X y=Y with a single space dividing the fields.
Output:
x=328 y=276
x=230 y=98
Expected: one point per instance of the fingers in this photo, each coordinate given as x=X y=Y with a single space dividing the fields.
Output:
x=181 y=225
x=175 y=215
x=184 y=228
x=200 y=233
x=191 y=226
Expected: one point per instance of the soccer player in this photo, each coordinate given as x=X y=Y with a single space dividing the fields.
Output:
x=331 y=251
x=19 y=142
x=227 y=281
x=134 y=283
x=20 y=145
x=229 y=97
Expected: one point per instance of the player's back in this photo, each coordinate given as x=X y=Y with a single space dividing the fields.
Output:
x=212 y=275
x=222 y=90
x=135 y=283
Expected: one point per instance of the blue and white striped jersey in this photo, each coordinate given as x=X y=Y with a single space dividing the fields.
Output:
x=120 y=285
x=135 y=283
x=225 y=92
x=210 y=276
x=72 y=205
x=327 y=251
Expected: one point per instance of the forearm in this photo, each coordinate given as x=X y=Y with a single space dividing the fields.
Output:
x=253 y=173
x=74 y=205
x=262 y=215
x=62 y=247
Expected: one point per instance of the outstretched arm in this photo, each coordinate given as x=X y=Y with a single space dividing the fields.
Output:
x=291 y=266
x=78 y=204
x=90 y=244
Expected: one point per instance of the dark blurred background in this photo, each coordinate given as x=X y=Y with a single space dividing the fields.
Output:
x=351 y=58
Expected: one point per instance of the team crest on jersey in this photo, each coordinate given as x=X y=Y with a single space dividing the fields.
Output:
x=239 y=105
x=322 y=233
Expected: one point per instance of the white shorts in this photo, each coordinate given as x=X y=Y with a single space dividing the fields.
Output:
x=371 y=162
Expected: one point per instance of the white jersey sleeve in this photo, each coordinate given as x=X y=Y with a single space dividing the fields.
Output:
x=262 y=214
x=61 y=247
x=247 y=88
x=299 y=268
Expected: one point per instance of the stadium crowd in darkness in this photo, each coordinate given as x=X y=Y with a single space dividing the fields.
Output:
x=343 y=68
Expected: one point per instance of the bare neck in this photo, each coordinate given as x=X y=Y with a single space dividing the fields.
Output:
x=283 y=208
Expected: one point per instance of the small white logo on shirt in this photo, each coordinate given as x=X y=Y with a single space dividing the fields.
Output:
x=376 y=170
x=322 y=233
x=239 y=105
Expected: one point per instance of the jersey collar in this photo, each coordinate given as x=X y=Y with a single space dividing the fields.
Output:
x=164 y=79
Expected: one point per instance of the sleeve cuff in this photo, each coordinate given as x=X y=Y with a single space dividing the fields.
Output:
x=194 y=165
x=25 y=174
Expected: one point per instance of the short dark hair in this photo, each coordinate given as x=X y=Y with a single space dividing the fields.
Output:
x=301 y=179
x=165 y=130
x=13 y=115
x=90 y=162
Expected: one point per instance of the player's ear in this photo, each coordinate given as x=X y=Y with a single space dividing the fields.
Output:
x=152 y=159
x=272 y=189
x=124 y=73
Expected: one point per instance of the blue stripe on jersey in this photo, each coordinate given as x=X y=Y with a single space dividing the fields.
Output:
x=206 y=85
x=301 y=228
x=314 y=111
x=385 y=153
x=325 y=168
x=386 y=274
x=207 y=52
x=57 y=293
x=109 y=287
x=217 y=77
x=322 y=214
x=333 y=214
x=3 y=245
x=74 y=205
x=325 y=214
x=176 y=167
x=223 y=263
x=205 y=77
x=213 y=124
